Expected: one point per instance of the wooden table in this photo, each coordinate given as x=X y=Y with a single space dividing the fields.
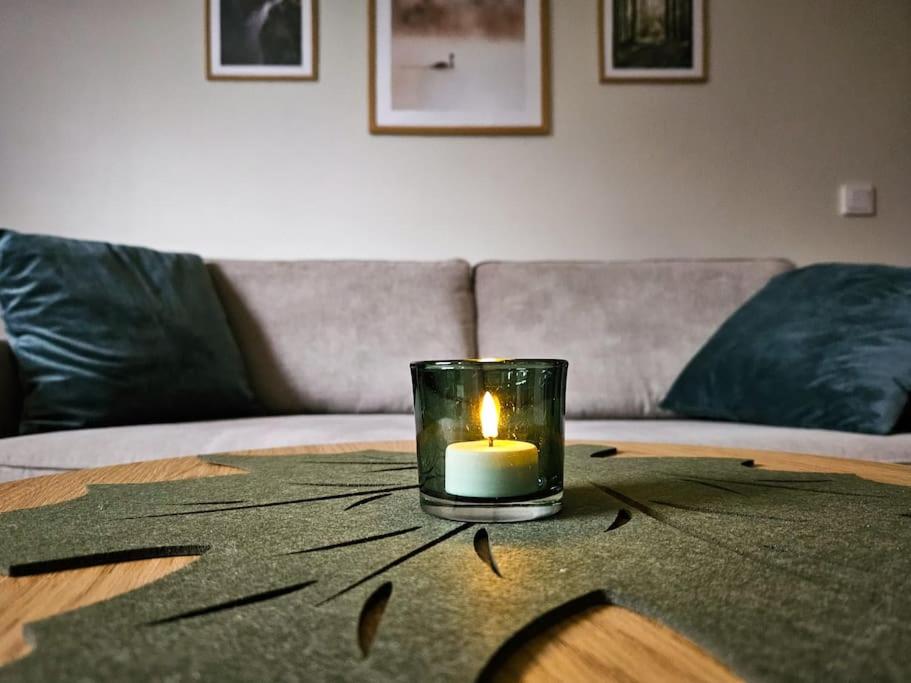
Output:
x=605 y=643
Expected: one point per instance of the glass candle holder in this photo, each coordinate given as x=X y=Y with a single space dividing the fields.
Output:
x=490 y=437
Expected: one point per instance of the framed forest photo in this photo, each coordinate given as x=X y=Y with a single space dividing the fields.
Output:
x=652 y=40
x=261 y=40
x=459 y=67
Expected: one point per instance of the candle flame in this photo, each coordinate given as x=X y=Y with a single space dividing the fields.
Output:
x=489 y=416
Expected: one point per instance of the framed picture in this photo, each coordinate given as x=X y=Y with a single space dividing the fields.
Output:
x=261 y=40
x=459 y=67
x=652 y=40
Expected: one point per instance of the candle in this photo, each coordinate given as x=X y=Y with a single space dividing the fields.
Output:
x=492 y=468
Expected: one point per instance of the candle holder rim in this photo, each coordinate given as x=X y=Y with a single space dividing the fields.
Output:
x=462 y=363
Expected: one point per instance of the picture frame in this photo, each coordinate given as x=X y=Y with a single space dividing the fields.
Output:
x=660 y=41
x=262 y=40
x=472 y=67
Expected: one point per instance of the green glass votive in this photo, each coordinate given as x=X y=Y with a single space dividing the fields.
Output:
x=490 y=437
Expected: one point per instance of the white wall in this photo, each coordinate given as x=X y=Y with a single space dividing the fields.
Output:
x=109 y=130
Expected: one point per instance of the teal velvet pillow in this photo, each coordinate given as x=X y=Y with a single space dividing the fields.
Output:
x=826 y=346
x=111 y=335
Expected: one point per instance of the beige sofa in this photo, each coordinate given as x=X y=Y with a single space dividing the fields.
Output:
x=328 y=343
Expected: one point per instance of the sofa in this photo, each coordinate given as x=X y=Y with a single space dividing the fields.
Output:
x=327 y=346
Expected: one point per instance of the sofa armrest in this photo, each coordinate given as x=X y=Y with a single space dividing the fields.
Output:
x=10 y=396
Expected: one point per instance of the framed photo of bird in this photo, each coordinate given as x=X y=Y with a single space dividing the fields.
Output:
x=459 y=67
x=263 y=40
x=652 y=40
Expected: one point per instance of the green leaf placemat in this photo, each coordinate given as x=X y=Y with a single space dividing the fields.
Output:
x=781 y=576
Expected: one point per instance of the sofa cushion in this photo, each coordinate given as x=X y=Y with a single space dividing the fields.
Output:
x=106 y=334
x=338 y=336
x=25 y=456
x=827 y=346
x=626 y=328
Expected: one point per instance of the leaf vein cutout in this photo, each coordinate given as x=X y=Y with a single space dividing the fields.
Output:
x=370 y=463
x=717 y=487
x=368 y=499
x=368 y=623
x=623 y=516
x=733 y=513
x=97 y=559
x=296 y=501
x=355 y=541
x=341 y=486
x=758 y=484
x=705 y=538
x=484 y=551
x=234 y=604
x=399 y=560
x=213 y=502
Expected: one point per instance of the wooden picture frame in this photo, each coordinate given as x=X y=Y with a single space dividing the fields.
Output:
x=670 y=47
x=413 y=99
x=246 y=57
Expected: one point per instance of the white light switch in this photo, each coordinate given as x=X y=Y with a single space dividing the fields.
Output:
x=857 y=199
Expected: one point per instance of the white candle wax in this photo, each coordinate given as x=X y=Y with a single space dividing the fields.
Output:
x=478 y=470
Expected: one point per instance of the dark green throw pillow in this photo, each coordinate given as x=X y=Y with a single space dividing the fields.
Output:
x=111 y=335
x=826 y=346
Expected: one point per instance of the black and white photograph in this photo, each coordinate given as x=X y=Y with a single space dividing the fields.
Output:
x=261 y=39
x=458 y=65
x=652 y=40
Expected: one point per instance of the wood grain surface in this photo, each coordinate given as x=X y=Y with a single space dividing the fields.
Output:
x=602 y=643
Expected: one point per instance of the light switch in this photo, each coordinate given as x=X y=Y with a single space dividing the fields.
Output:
x=857 y=199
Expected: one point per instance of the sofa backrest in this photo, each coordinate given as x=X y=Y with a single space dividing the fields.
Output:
x=337 y=336
x=626 y=328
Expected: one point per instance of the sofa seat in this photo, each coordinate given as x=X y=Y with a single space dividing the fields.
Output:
x=33 y=455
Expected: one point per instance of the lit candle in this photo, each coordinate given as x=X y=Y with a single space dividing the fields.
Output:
x=492 y=468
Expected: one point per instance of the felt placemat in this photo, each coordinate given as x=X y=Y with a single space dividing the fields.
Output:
x=781 y=576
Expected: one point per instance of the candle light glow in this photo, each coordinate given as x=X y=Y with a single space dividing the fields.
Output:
x=491 y=468
x=490 y=418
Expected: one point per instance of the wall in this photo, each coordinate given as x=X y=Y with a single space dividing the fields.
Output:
x=108 y=129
